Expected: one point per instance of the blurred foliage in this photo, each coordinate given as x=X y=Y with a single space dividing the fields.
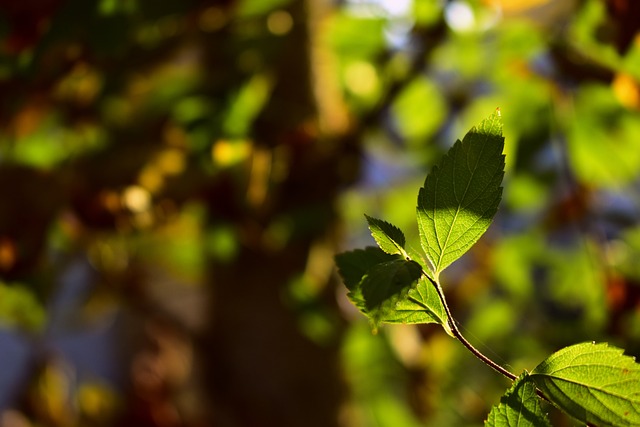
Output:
x=176 y=177
x=19 y=308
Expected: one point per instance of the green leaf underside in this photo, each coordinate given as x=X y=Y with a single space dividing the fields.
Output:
x=422 y=305
x=595 y=383
x=353 y=267
x=518 y=407
x=461 y=194
x=392 y=296
x=388 y=236
x=386 y=284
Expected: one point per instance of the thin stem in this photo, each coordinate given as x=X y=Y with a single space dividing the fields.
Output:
x=456 y=333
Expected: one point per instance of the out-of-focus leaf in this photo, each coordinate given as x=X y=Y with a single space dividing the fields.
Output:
x=419 y=110
x=356 y=37
x=577 y=283
x=515 y=258
x=191 y=109
x=247 y=8
x=376 y=379
x=594 y=383
x=585 y=34
x=427 y=12
x=518 y=407
x=19 y=308
x=604 y=149
x=246 y=105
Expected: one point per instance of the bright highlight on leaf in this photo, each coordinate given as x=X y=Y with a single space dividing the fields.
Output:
x=519 y=407
x=594 y=383
x=461 y=194
x=388 y=236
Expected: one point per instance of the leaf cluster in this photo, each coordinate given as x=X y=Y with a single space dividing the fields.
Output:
x=594 y=383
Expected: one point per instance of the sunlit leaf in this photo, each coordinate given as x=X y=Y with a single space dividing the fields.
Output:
x=461 y=194
x=422 y=305
x=518 y=407
x=389 y=237
x=594 y=383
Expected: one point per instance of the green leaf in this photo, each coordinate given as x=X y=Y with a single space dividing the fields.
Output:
x=388 y=236
x=422 y=305
x=595 y=383
x=518 y=407
x=353 y=267
x=461 y=194
x=388 y=288
x=386 y=284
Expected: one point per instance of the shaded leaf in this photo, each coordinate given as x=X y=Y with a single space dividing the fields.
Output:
x=461 y=194
x=386 y=284
x=354 y=265
x=518 y=407
x=594 y=383
x=388 y=288
x=388 y=236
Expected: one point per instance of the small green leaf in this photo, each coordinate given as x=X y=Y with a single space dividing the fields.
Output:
x=461 y=194
x=402 y=301
x=388 y=236
x=595 y=383
x=389 y=288
x=386 y=284
x=354 y=265
x=518 y=407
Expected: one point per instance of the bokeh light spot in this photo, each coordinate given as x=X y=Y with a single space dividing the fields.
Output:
x=229 y=152
x=361 y=78
x=459 y=16
x=136 y=198
x=279 y=23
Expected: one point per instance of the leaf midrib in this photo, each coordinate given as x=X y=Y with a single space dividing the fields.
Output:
x=455 y=217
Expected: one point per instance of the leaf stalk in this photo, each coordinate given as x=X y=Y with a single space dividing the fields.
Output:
x=458 y=335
